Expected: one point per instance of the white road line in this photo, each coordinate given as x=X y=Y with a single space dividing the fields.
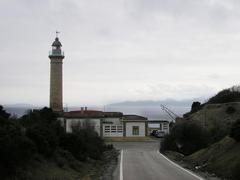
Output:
x=198 y=177
x=121 y=166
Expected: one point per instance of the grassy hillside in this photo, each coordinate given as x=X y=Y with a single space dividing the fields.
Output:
x=217 y=118
x=220 y=112
x=222 y=158
x=67 y=167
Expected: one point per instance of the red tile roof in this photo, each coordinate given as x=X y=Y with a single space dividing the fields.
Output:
x=91 y=114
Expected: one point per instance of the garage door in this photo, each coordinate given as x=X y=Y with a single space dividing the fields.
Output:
x=112 y=130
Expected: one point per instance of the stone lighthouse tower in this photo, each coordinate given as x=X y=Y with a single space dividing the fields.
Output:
x=56 y=56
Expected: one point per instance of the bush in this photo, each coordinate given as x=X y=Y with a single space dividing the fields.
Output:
x=186 y=138
x=218 y=129
x=225 y=96
x=196 y=106
x=230 y=110
x=40 y=133
x=44 y=138
x=235 y=130
x=83 y=143
x=3 y=113
x=236 y=171
x=43 y=128
x=16 y=150
x=43 y=116
x=168 y=143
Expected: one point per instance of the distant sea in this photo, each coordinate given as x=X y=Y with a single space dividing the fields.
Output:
x=151 y=112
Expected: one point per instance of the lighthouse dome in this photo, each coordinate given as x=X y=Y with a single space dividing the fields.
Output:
x=57 y=43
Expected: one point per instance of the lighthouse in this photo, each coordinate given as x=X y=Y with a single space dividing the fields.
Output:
x=56 y=56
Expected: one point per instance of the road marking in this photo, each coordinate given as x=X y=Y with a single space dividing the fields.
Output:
x=198 y=177
x=121 y=166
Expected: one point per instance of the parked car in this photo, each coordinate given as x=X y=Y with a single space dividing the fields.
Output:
x=153 y=133
x=157 y=133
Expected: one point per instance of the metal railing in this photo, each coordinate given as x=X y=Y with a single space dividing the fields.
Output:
x=56 y=53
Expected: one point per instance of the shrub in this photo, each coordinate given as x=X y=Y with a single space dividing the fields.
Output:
x=43 y=128
x=218 y=129
x=44 y=138
x=83 y=143
x=196 y=106
x=168 y=143
x=43 y=116
x=3 y=113
x=186 y=137
x=225 y=96
x=230 y=110
x=236 y=172
x=235 y=130
x=16 y=150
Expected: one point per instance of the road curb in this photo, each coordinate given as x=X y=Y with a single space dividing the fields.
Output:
x=180 y=167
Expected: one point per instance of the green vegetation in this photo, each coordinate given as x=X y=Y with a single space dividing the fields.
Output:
x=230 y=110
x=209 y=135
x=186 y=137
x=83 y=143
x=16 y=149
x=225 y=96
x=196 y=106
x=218 y=129
x=235 y=130
x=37 y=140
x=221 y=158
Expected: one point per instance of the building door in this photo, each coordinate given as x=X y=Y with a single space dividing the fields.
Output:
x=135 y=130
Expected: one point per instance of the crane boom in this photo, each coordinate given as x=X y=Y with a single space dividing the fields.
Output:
x=170 y=113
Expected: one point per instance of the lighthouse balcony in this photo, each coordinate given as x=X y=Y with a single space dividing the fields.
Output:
x=56 y=53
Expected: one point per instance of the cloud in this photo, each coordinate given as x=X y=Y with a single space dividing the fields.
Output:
x=119 y=50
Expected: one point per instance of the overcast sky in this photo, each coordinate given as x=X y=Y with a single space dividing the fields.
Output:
x=119 y=50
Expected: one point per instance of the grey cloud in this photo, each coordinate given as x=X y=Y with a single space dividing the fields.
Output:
x=115 y=49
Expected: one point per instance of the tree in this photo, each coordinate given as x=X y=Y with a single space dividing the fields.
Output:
x=15 y=148
x=196 y=106
x=186 y=137
x=43 y=116
x=45 y=139
x=43 y=128
x=3 y=113
x=225 y=96
x=83 y=143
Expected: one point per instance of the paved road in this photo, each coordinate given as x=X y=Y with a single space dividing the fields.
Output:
x=142 y=161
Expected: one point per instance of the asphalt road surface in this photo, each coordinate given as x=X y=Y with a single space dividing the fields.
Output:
x=142 y=161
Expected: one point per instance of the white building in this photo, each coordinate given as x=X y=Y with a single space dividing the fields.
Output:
x=134 y=125
x=106 y=124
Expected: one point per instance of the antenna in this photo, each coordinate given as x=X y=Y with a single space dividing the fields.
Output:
x=57 y=32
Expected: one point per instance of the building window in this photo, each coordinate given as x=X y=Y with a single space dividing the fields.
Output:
x=135 y=130
x=107 y=129
x=165 y=126
x=160 y=126
x=113 y=129
x=119 y=129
